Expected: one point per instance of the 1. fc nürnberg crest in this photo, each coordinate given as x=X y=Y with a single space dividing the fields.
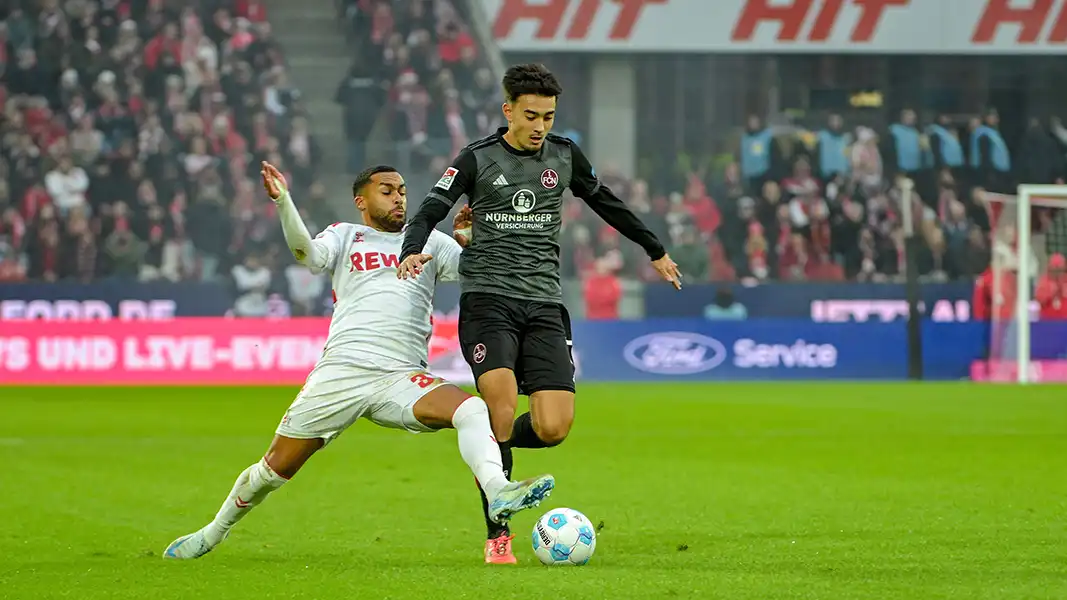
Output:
x=549 y=179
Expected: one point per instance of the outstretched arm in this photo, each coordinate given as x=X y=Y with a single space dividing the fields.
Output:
x=457 y=180
x=317 y=254
x=587 y=186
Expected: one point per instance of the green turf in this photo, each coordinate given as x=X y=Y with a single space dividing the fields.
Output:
x=704 y=491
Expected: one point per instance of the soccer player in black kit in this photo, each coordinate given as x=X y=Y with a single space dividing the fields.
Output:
x=513 y=328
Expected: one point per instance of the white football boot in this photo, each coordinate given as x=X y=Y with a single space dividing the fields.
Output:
x=520 y=495
x=189 y=546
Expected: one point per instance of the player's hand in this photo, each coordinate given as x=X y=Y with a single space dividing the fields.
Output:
x=668 y=270
x=462 y=224
x=273 y=181
x=412 y=265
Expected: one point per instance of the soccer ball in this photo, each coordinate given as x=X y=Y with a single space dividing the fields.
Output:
x=564 y=536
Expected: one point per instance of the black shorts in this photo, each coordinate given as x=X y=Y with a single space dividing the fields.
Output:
x=533 y=339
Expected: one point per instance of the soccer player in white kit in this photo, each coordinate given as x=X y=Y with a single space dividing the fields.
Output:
x=374 y=363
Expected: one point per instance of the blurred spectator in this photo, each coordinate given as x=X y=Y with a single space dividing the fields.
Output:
x=1041 y=154
x=455 y=43
x=252 y=281
x=832 y=153
x=29 y=78
x=305 y=290
x=83 y=248
x=412 y=101
x=756 y=266
x=977 y=255
x=576 y=250
x=481 y=102
x=602 y=291
x=361 y=97
x=1051 y=292
x=794 y=259
x=46 y=261
x=989 y=155
x=867 y=164
x=758 y=150
x=124 y=252
x=67 y=185
x=702 y=209
x=691 y=254
x=303 y=152
x=725 y=308
x=945 y=148
x=86 y=142
x=904 y=153
x=986 y=304
x=846 y=229
x=12 y=237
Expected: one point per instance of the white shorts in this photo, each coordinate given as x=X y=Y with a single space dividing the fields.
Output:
x=337 y=394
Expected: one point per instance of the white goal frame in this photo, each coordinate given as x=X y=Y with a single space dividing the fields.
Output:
x=1027 y=196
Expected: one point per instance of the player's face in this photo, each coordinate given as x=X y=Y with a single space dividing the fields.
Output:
x=384 y=202
x=530 y=119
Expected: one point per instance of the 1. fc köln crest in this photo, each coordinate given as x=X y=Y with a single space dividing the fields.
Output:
x=549 y=179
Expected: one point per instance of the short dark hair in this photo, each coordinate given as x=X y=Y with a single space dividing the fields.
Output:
x=532 y=78
x=364 y=177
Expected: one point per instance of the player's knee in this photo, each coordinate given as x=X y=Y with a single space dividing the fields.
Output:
x=501 y=413
x=553 y=430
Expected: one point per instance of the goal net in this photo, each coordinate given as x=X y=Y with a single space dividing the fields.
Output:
x=1024 y=292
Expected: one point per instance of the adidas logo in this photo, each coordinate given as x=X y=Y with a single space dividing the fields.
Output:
x=500 y=181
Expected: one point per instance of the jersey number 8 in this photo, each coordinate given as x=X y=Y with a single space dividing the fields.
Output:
x=423 y=380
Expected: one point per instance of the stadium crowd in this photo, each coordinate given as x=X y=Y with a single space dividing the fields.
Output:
x=132 y=134
x=802 y=205
x=417 y=66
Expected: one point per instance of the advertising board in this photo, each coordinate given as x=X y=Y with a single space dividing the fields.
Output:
x=219 y=351
x=781 y=26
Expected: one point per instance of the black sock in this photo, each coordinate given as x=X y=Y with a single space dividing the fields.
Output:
x=494 y=529
x=523 y=434
x=505 y=455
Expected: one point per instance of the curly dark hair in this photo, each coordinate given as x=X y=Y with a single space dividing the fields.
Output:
x=532 y=78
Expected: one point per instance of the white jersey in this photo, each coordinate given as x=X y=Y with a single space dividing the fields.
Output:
x=380 y=321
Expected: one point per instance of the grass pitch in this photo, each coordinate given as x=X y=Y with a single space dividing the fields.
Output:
x=704 y=491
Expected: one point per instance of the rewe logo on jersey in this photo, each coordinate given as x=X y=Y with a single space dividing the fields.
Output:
x=370 y=261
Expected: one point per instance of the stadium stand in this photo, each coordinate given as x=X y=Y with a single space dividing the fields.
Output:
x=417 y=62
x=802 y=219
x=132 y=135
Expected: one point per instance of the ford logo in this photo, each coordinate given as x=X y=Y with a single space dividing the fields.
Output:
x=674 y=353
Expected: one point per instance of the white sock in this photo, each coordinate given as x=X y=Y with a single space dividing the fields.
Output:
x=477 y=445
x=251 y=488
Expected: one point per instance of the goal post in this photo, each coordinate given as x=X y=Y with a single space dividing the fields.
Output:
x=1020 y=249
